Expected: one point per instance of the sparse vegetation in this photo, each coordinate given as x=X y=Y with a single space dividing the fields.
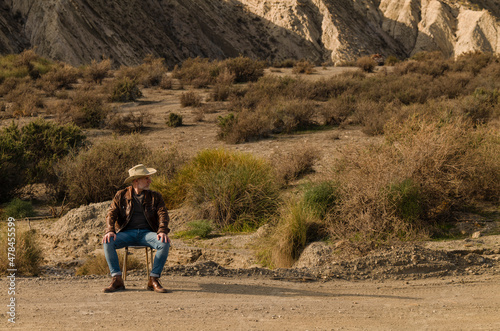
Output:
x=438 y=120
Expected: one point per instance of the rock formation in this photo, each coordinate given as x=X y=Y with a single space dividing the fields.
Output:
x=78 y=31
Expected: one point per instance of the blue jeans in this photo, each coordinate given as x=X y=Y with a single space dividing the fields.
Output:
x=136 y=237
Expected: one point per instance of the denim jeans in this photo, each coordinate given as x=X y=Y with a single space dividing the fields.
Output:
x=136 y=237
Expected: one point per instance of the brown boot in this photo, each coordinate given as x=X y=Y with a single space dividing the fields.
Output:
x=154 y=285
x=116 y=285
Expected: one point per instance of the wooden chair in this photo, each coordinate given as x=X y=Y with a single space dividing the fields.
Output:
x=149 y=260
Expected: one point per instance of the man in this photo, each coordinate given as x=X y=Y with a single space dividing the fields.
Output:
x=137 y=217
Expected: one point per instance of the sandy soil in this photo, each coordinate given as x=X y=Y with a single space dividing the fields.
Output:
x=216 y=303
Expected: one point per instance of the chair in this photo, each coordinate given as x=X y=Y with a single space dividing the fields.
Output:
x=149 y=262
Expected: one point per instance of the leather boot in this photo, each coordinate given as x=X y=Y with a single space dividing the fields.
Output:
x=116 y=285
x=154 y=285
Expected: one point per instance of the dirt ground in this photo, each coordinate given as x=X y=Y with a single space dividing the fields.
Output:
x=216 y=284
x=218 y=303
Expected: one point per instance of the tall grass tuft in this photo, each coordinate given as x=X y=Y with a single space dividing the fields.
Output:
x=28 y=253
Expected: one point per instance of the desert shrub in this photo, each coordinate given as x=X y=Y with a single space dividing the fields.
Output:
x=198 y=72
x=166 y=82
x=26 y=64
x=18 y=208
x=223 y=86
x=97 y=265
x=89 y=109
x=129 y=122
x=200 y=229
x=97 y=71
x=372 y=116
x=95 y=174
x=229 y=188
x=174 y=120
x=28 y=253
x=337 y=110
x=293 y=115
x=190 y=99
x=10 y=83
x=150 y=73
x=303 y=67
x=125 y=90
x=12 y=162
x=244 y=69
x=59 y=77
x=286 y=63
x=391 y=60
x=452 y=84
x=295 y=164
x=246 y=126
x=29 y=153
x=25 y=101
x=153 y=71
x=473 y=62
x=425 y=56
x=426 y=66
x=366 y=63
x=426 y=168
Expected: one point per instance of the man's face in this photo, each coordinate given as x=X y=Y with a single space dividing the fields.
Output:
x=143 y=183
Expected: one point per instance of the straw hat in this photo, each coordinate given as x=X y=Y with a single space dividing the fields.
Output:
x=139 y=171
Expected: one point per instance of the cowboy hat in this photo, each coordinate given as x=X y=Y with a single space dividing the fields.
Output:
x=139 y=171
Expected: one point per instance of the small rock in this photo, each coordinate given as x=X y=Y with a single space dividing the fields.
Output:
x=476 y=235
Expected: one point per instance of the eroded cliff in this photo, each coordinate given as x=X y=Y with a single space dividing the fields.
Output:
x=77 y=31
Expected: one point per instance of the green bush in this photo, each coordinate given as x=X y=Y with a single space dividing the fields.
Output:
x=321 y=197
x=18 y=208
x=200 y=229
x=125 y=90
x=228 y=188
x=28 y=154
x=406 y=200
x=174 y=120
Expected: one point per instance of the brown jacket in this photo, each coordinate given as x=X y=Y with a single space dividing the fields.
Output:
x=121 y=209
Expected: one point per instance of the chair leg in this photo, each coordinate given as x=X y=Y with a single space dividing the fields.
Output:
x=147 y=263
x=125 y=264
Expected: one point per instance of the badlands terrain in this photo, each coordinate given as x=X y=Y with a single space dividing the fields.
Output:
x=217 y=284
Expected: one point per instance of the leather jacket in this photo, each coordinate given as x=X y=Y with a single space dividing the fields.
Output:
x=121 y=209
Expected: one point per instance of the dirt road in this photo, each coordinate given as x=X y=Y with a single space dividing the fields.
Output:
x=220 y=303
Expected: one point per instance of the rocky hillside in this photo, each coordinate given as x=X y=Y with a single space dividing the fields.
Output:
x=77 y=31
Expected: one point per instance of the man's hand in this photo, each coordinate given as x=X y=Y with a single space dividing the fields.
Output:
x=163 y=238
x=107 y=237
